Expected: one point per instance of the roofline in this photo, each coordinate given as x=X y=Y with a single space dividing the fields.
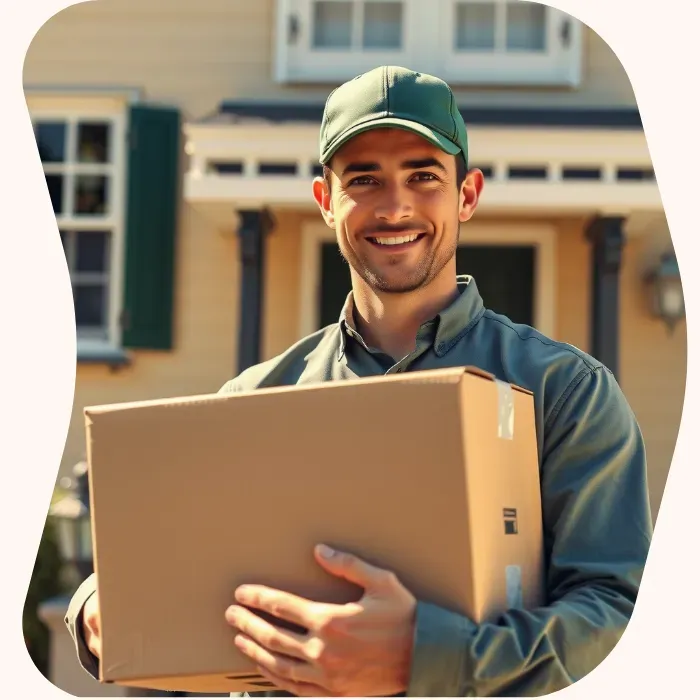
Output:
x=572 y=117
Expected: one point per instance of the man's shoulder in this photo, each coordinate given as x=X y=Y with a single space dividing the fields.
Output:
x=533 y=348
x=558 y=373
x=287 y=367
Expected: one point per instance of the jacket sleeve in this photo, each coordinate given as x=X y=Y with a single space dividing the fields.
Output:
x=597 y=532
x=74 y=622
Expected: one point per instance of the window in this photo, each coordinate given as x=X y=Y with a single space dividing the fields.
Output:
x=324 y=40
x=469 y=42
x=82 y=156
x=112 y=167
x=506 y=42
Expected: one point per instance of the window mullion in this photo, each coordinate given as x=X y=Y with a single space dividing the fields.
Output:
x=70 y=161
x=357 y=19
x=501 y=28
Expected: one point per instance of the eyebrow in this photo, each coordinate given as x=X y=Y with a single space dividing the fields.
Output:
x=369 y=167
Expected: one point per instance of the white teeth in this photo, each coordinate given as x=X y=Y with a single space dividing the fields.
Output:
x=397 y=241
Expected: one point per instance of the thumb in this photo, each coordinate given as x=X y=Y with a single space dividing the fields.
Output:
x=352 y=568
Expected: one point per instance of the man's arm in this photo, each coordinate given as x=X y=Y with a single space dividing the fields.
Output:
x=74 y=622
x=597 y=528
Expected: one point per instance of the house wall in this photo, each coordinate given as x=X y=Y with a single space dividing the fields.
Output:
x=196 y=54
x=653 y=363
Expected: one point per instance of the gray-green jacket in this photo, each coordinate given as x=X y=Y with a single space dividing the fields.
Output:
x=597 y=521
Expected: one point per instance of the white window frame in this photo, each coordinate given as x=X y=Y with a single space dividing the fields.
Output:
x=542 y=236
x=72 y=110
x=428 y=41
x=302 y=64
x=561 y=66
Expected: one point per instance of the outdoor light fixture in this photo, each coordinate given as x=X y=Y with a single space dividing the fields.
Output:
x=666 y=291
x=72 y=518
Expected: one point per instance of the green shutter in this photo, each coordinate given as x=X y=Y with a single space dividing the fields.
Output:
x=151 y=220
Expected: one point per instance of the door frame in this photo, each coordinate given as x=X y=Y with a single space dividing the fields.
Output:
x=541 y=235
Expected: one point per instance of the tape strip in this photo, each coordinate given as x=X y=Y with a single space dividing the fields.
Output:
x=514 y=587
x=506 y=410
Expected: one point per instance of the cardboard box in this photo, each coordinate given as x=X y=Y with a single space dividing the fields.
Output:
x=434 y=475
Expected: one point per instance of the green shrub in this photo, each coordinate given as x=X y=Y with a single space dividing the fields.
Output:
x=45 y=584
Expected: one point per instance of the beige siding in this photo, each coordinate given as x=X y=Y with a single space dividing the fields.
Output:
x=195 y=54
x=573 y=284
x=653 y=364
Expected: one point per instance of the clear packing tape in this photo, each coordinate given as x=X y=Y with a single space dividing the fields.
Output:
x=506 y=410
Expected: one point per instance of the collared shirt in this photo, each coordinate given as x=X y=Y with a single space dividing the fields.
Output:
x=597 y=519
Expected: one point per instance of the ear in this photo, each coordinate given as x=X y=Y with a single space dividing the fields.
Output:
x=469 y=194
x=323 y=198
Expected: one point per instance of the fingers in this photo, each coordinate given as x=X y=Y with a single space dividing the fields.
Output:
x=293 y=670
x=91 y=633
x=91 y=626
x=265 y=634
x=353 y=569
x=283 y=606
x=299 y=690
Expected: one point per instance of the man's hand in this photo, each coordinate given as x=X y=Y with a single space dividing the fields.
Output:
x=360 y=649
x=91 y=625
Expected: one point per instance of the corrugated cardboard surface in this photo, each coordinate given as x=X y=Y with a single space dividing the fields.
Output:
x=428 y=474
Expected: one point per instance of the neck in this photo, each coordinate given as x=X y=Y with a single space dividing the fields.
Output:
x=390 y=322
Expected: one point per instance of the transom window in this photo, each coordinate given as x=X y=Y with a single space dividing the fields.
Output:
x=83 y=166
x=470 y=42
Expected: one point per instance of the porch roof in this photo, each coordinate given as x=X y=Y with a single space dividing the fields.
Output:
x=577 y=162
x=242 y=111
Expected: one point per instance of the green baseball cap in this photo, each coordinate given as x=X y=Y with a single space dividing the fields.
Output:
x=391 y=96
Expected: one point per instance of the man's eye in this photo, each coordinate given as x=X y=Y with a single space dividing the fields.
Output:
x=362 y=180
x=427 y=177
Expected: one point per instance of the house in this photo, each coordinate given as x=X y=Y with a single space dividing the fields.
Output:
x=179 y=140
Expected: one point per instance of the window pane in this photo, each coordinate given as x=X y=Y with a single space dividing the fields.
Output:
x=332 y=25
x=51 y=141
x=476 y=26
x=92 y=251
x=55 y=185
x=64 y=239
x=93 y=143
x=91 y=194
x=382 y=25
x=90 y=307
x=526 y=26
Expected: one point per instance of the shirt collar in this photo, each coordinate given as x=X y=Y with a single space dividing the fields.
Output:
x=450 y=324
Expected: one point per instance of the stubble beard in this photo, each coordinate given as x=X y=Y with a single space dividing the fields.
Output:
x=418 y=278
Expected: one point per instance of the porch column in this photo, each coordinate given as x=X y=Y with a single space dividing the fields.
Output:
x=253 y=230
x=607 y=240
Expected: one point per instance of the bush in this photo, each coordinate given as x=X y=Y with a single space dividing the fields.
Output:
x=45 y=584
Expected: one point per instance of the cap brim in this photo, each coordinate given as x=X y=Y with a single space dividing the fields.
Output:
x=434 y=137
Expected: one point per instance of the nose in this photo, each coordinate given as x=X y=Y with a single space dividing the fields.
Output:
x=394 y=204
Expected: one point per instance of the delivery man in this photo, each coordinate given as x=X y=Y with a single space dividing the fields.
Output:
x=396 y=189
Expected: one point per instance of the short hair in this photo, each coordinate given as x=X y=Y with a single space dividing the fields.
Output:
x=461 y=171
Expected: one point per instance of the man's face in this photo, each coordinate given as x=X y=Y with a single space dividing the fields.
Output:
x=396 y=207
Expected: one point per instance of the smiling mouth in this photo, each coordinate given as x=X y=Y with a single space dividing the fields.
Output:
x=389 y=241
